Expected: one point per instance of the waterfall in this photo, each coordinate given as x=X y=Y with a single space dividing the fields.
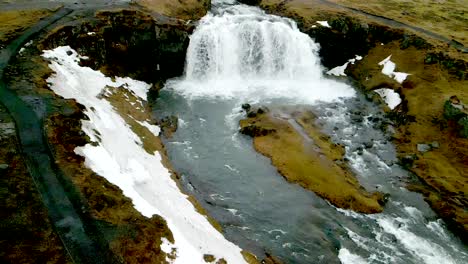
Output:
x=239 y=51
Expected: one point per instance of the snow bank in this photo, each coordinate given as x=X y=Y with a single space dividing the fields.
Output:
x=340 y=70
x=120 y=158
x=391 y=98
x=389 y=70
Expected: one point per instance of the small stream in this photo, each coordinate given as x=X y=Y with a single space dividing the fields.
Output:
x=239 y=54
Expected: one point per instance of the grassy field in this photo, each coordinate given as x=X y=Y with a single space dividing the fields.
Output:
x=187 y=9
x=448 y=18
x=14 y=22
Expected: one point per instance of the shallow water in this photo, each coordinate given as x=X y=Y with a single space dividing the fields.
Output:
x=257 y=208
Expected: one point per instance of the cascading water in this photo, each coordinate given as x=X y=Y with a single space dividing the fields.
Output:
x=243 y=53
x=239 y=54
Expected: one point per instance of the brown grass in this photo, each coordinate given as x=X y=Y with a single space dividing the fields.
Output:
x=183 y=9
x=444 y=170
x=14 y=22
x=445 y=17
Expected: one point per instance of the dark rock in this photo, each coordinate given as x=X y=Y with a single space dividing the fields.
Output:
x=251 y=114
x=246 y=107
x=408 y=160
x=368 y=144
x=256 y=131
x=383 y=198
x=250 y=2
x=463 y=122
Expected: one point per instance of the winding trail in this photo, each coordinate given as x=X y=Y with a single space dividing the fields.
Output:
x=76 y=230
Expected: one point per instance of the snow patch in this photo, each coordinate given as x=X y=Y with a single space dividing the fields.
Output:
x=391 y=98
x=340 y=70
x=389 y=70
x=324 y=24
x=119 y=157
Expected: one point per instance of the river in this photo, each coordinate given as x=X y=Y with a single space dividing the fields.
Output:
x=238 y=54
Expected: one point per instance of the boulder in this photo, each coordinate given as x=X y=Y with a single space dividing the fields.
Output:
x=456 y=111
x=4 y=167
x=423 y=147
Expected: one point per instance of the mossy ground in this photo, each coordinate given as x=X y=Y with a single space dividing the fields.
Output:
x=445 y=169
x=14 y=22
x=187 y=9
x=445 y=17
x=313 y=163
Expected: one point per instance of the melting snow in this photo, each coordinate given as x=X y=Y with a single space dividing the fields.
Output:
x=324 y=24
x=391 y=98
x=389 y=70
x=122 y=160
x=340 y=70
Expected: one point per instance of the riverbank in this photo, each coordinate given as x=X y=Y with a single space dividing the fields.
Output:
x=437 y=70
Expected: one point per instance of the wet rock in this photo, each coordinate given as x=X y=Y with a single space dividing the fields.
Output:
x=408 y=160
x=423 y=147
x=383 y=198
x=246 y=107
x=169 y=125
x=253 y=112
x=256 y=131
x=368 y=144
x=4 y=166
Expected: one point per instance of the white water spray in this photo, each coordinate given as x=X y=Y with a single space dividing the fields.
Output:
x=246 y=54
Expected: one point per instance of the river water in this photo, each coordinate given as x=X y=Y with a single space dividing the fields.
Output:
x=238 y=54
